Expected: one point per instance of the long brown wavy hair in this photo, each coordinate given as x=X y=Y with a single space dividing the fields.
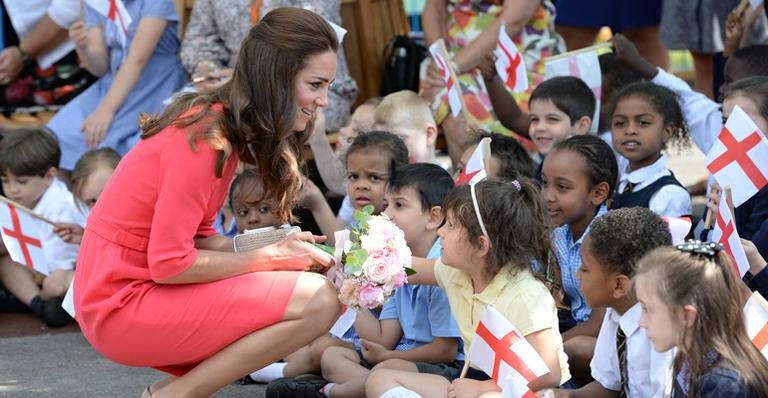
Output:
x=259 y=106
x=712 y=287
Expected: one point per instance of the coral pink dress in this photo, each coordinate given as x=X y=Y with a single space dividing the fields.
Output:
x=162 y=196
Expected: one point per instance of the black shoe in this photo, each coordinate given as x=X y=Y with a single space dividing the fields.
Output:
x=54 y=315
x=9 y=302
x=289 y=387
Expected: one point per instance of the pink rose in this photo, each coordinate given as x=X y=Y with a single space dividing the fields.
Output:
x=380 y=266
x=370 y=296
x=348 y=293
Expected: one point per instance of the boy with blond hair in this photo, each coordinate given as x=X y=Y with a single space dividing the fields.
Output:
x=406 y=115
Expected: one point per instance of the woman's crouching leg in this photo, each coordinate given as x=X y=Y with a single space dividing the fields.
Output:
x=310 y=313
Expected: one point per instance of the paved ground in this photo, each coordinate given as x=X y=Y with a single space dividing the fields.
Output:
x=36 y=362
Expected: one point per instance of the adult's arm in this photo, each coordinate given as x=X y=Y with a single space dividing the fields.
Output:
x=43 y=37
x=216 y=242
x=202 y=40
x=292 y=253
x=331 y=170
x=515 y=15
x=434 y=17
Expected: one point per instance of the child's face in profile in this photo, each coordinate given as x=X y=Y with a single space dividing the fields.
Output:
x=662 y=326
x=404 y=208
x=549 y=125
x=455 y=247
x=749 y=107
x=250 y=214
x=594 y=282
x=565 y=187
x=361 y=120
x=367 y=176
x=26 y=190
x=638 y=131
x=93 y=185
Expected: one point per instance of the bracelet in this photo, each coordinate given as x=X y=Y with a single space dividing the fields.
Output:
x=26 y=60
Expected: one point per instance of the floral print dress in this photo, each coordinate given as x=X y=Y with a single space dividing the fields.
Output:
x=536 y=41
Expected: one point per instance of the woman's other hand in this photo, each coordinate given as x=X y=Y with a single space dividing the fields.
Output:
x=296 y=253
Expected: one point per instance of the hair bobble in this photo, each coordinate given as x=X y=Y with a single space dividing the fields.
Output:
x=707 y=249
x=516 y=183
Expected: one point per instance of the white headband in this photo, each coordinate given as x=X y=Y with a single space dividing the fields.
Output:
x=477 y=208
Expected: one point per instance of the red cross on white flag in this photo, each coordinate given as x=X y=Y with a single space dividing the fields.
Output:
x=725 y=233
x=22 y=237
x=585 y=66
x=474 y=170
x=502 y=352
x=756 y=318
x=116 y=12
x=510 y=64
x=437 y=49
x=739 y=157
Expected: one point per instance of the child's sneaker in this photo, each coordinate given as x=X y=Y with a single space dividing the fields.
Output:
x=299 y=387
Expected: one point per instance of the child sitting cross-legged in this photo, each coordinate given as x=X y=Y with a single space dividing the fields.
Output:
x=28 y=167
x=624 y=363
x=494 y=231
x=415 y=325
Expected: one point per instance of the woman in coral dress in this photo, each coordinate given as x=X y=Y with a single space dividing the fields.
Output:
x=155 y=286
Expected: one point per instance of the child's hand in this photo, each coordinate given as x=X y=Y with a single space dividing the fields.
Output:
x=95 y=126
x=70 y=233
x=626 y=52
x=756 y=262
x=372 y=352
x=734 y=28
x=212 y=80
x=488 y=67
x=468 y=388
x=78 y=34
x=713 y=200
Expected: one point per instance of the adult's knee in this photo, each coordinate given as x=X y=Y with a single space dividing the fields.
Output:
x=323 y=307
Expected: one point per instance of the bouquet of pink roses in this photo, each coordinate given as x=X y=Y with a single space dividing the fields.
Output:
x=372 y=260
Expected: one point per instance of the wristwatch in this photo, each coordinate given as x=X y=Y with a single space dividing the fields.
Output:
x=26 y=60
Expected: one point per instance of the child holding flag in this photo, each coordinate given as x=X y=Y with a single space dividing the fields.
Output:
x=691 y=300
x=133 y=47
x=28 y=160
x=485 y=262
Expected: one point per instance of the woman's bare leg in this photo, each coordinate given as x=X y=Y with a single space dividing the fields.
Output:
x=312 y=310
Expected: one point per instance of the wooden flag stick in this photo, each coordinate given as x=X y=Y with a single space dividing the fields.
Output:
x=82 y=10
x=729 y=200
x=28 y=211
x=487 y=150
x=465 y=368
x=605 y=44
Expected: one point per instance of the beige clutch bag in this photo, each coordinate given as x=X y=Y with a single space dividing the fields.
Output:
x=253 y=239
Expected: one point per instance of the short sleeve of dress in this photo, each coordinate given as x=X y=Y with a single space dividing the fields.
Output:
x=186 y=181
x=159 y=9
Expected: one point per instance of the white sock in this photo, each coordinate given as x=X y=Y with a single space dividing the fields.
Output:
x=400 y=392
x=268 y=373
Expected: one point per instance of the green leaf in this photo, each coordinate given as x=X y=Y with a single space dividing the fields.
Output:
x=354 y=261
x=409 y=271
x=328 y=249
